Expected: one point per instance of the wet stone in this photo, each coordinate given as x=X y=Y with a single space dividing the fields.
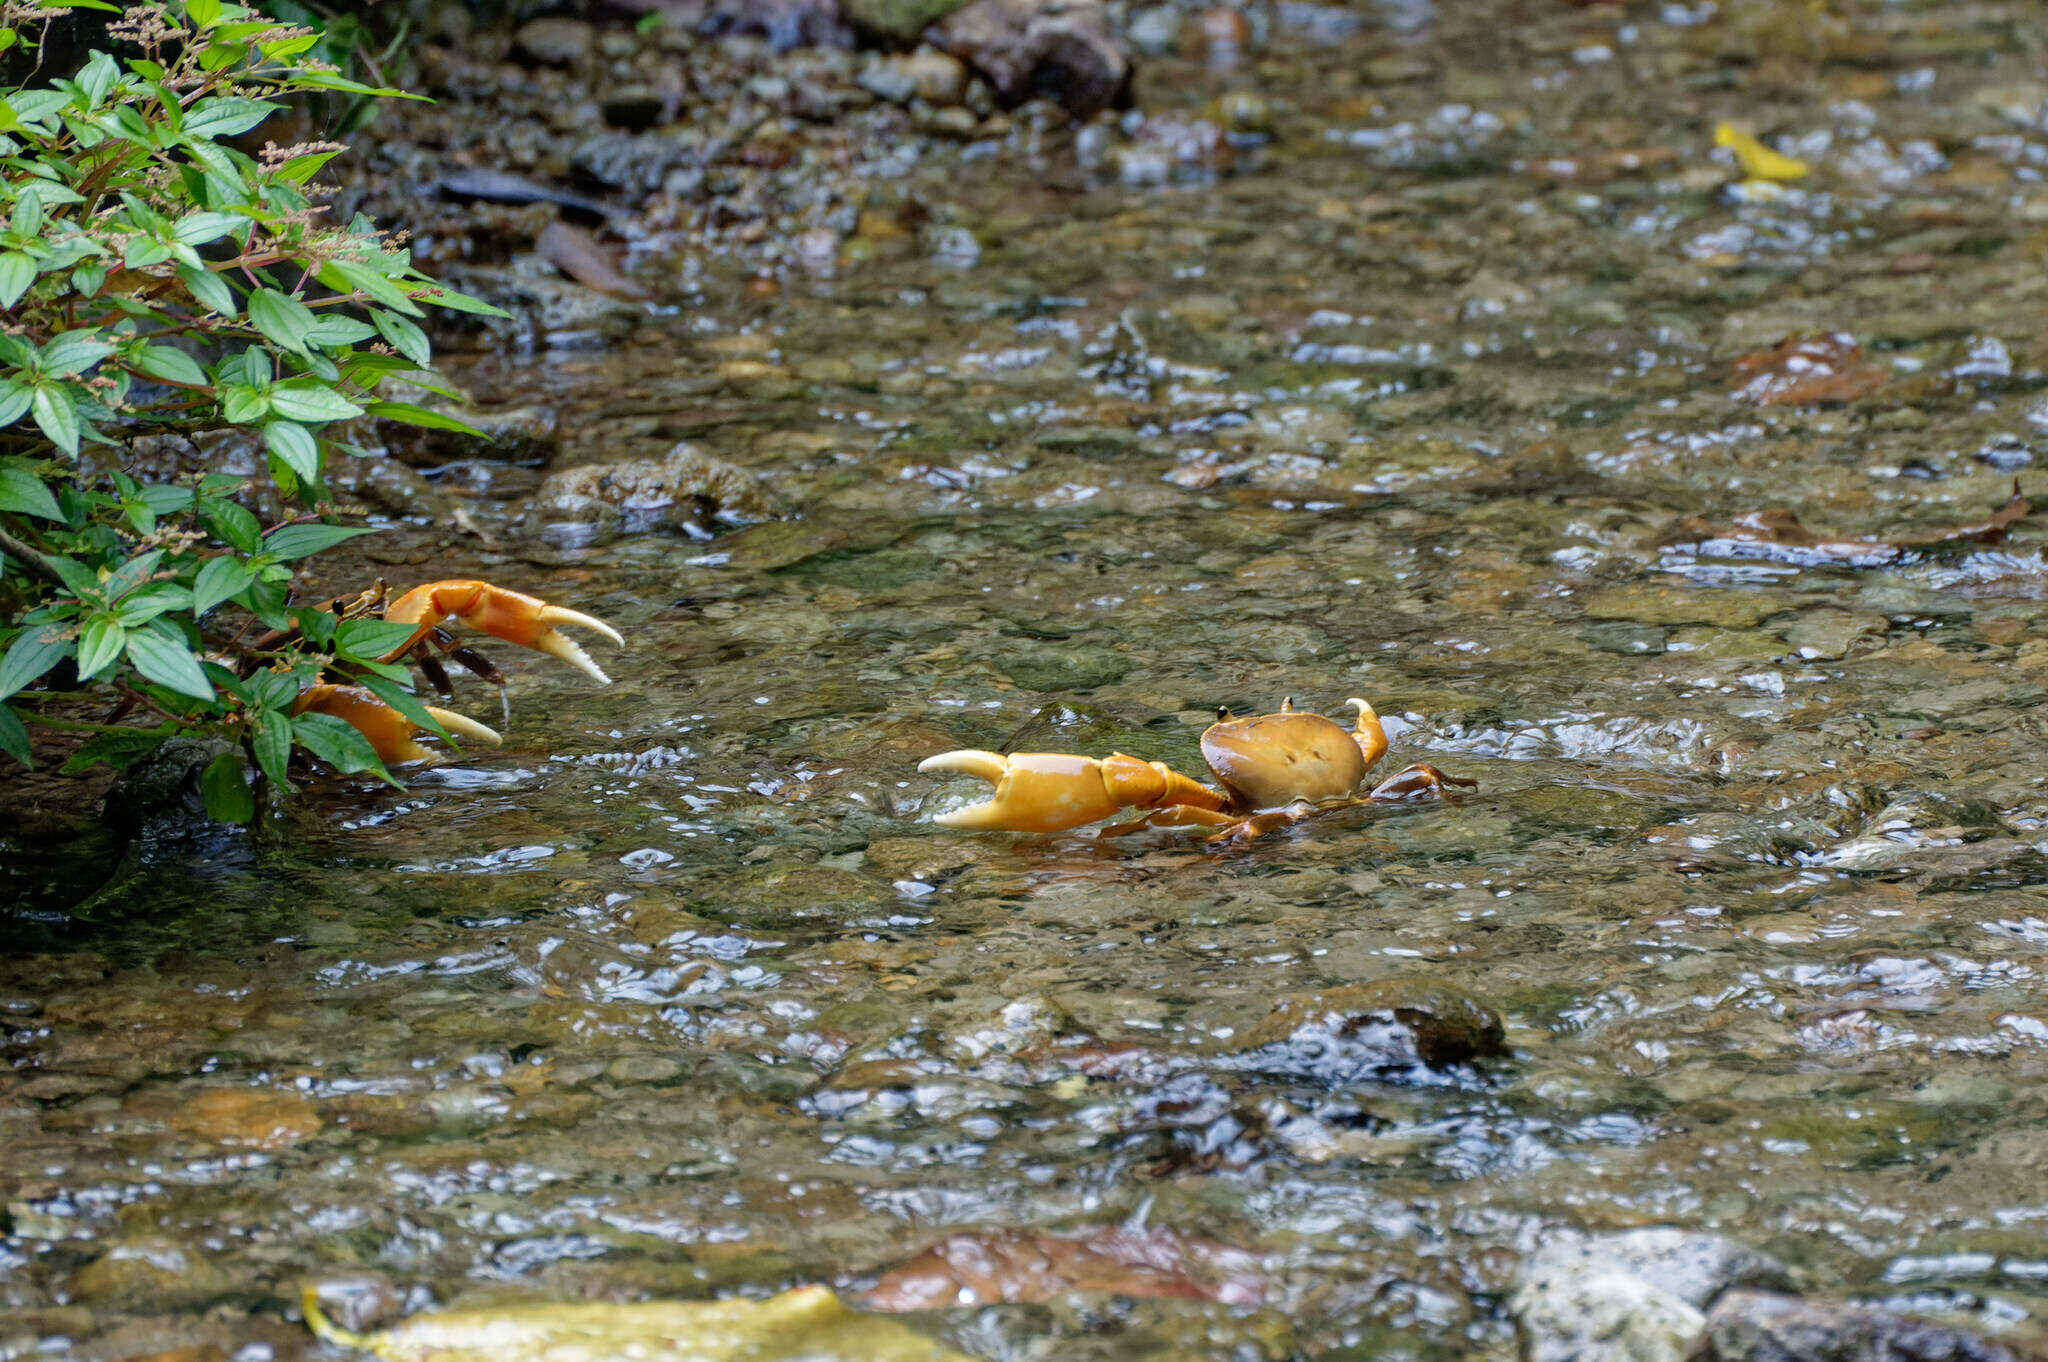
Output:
x=1829 y=634
x=643 y=1069
x=1728 y=608
x=685 y=491
x=1062 y=50
x=554 y=42
x=1016 y=1026
x=245 y=1118
x=147 y=1270
x=1384 y=1030
x=924 y=74
x=1759 y=1326
x=897 y=21
x=1062 y=667
x=1627 y=637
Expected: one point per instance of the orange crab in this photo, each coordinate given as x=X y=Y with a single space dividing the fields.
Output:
x=1274 y=769
x=510 y=615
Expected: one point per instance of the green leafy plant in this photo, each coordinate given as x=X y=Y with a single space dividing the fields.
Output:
x=161 y=281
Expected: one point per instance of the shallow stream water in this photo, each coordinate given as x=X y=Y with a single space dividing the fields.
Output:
x=681 y=992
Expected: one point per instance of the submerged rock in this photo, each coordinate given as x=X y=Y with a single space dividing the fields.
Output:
x=1760 y=1326
x=1062 y=50
x=896 y=21
x=554 y=42
x=1633 y=1296
x=684 y=490
x=1376 y=1030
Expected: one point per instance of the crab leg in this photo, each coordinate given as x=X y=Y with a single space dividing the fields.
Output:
x=1051 y=791
x=389 y=732
x=510 y=615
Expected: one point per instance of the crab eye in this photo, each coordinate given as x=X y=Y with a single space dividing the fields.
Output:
x=1222 y=714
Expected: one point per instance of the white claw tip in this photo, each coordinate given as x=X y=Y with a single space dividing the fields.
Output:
x=560 y=614
x=556 y=644
x=968 y=762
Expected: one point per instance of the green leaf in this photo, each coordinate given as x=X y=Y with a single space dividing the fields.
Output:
x=219 y=579
x=146 y=603
x=24 y=492
x=218 y=116
x=265 y=600
x=74 y=352
x=327 y=80
x=160 y=653
x=164 y=498
x=226 y=790
x=333 y=329
x=204 y=14
x=300 y=169
x=99 y=647
x=440 y=295
x=209 y=289
x=272 y=741
x=405 y=338
x=299 y=541
x=421 y=416
x=13 y=737
x=308 y=399
x=120 y=749
x=243 y=405
x=347 y=276
x=232 y=524
x=15 y=397
x=294 y=444
x=170 y=364
x=283 y=320
x=274 y=689
x=77 y=576
x=406 y=703
x=196 y=229
x=287 y=47
x=36 y=649
x=17 y=272
x=338 y=744
x=57 y=415
x=98 y=77
x=130 y=575
x=372 y=639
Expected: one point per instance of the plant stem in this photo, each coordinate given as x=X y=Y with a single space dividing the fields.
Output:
x=30 y=558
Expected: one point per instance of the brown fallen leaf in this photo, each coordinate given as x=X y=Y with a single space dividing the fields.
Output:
x=989 y=1266
x=1802 y=370
x=576 y=253
x=1777 y=533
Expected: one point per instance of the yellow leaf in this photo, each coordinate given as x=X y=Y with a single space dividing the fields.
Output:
x=808 y=1323
x=1758 y=161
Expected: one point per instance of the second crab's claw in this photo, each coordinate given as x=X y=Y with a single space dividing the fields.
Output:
x=389 y=732
x=510 y=615
x=1053 y=791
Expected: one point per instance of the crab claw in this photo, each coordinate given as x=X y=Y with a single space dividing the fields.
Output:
x=1052 y=791
x=389 y=732
x=510 y=615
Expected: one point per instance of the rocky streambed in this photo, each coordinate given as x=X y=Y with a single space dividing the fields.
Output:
x=1430 y=353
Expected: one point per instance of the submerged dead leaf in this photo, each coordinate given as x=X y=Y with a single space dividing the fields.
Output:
x=1776 y=533
x=1801 y=370
x=1013 y=1266
x=576 y=253
x=809 y=1323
